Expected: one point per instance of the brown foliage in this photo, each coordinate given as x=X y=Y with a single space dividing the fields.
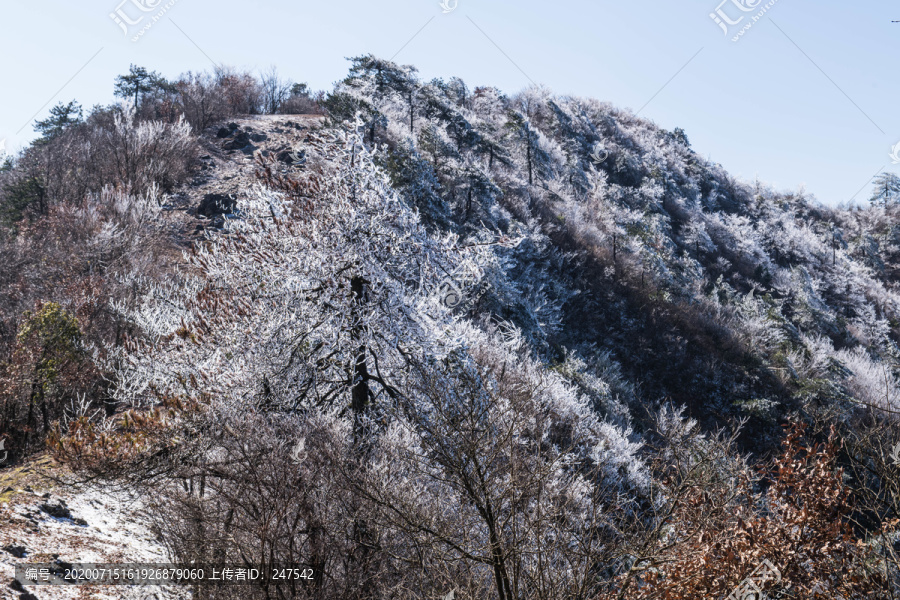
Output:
x=75 y=257
x=800 y=524
x=138 y=445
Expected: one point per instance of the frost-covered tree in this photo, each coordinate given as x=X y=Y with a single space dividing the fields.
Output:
x=498 y=466
x=371 y=82
x=328 y=302
x=535 y=157
x=885 y=190
x=335 y=330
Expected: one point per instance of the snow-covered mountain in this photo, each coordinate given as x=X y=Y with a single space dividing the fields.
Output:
x=442 y=338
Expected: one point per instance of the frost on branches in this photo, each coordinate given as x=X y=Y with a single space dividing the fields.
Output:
x=314 y=289
x=327 y=302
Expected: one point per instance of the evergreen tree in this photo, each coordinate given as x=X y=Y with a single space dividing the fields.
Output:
x=536 y=159
x=300 y=89
x=681 y=137
x=138 y=82
x=61 y=117
x=373 y=80
x=886 y=190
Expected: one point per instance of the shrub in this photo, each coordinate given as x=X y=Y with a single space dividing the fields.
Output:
x=714 y=536
x=49 y=369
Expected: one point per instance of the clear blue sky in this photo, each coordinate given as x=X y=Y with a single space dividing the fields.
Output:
x=807 y=97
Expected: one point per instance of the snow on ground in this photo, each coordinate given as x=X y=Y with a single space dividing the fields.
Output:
x=91 y=524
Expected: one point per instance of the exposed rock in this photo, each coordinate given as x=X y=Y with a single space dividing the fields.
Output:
x=215 y=205
x=291 y=157
x=119 y=532
x=239 y=141
x=63 y=565
x=61 y=511
x=17 y=551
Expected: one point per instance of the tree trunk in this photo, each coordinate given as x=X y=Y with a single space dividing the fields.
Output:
x=44 y=412
x=501 y=577
x=615 y=263
x=30 y=420
x=833 y=248
x=360 y=387
x=528 y=156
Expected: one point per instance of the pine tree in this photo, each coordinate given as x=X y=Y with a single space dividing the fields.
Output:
x=62 y=116
x=536 y=159
x=886 y=189
x=138 y=82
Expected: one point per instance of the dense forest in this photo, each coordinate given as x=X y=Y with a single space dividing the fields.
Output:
x=425 y=339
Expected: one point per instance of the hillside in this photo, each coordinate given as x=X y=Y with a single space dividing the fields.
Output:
x=731 y=299
x=442 y=338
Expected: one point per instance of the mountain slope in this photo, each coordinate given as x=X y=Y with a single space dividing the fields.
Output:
x=725 y=297
x=452 y=340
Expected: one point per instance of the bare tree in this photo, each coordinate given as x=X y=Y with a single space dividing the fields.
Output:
x=275 y=90
x=494 y=477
